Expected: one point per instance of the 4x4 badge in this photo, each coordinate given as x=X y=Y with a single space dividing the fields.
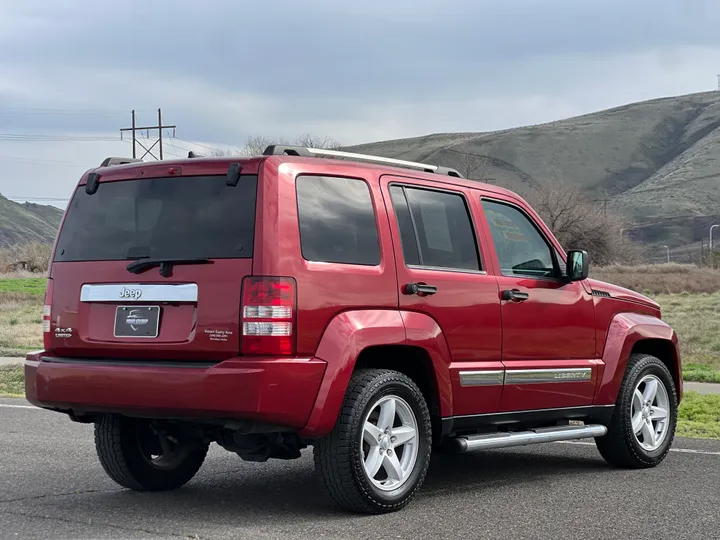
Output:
x=133 y=294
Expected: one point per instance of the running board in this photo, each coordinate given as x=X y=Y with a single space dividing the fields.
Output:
x=521 y=438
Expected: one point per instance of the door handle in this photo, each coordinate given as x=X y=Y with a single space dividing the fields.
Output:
x=515 y=295
x=420 y=289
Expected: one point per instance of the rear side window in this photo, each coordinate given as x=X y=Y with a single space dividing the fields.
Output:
x=184 y=217
x=435 y=229
x=337 y=220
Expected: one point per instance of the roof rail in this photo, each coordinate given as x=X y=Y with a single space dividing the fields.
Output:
x=278 y=150
x=109 y=162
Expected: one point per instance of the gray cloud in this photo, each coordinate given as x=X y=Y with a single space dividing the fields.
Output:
x=354 y=71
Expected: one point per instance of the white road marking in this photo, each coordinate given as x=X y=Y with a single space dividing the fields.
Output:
x=679 y=450
x=20 y=407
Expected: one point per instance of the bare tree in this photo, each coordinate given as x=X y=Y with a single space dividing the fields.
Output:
x=579 y=224
x=470 y=164
x=256 y=144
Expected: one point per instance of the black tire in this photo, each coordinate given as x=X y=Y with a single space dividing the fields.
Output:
x=620 y=447
x=125 y=446
x=339 y=456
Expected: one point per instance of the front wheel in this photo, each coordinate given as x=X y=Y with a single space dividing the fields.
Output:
x=138 y=456
x=643 y=424
x=376 y=457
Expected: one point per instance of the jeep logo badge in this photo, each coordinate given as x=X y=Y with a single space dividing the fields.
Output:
x=130 y=294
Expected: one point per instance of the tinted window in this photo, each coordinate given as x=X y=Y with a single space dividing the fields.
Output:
x=436 y=231
x=407 y=231
x=182 y=217
x=520 y=247
x=337 y=220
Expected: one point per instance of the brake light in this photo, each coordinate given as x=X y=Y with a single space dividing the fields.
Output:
x=47 y=312
x=268 y=315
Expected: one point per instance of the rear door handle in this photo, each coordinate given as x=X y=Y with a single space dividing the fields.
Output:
x=420 y=289
x=515 y=295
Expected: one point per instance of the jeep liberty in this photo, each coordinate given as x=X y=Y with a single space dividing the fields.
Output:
x=375 y=309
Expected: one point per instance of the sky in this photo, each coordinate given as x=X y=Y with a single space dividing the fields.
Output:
x=224 y=70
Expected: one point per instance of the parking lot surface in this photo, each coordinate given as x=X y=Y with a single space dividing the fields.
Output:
x=52 y=487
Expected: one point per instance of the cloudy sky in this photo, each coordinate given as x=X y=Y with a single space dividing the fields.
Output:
x=223 y=70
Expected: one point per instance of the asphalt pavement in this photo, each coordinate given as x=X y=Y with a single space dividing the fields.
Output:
x=52 y=487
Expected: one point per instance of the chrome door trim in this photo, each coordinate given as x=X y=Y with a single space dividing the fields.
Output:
x=556 y=375
x=482 y=378
x=139 y=292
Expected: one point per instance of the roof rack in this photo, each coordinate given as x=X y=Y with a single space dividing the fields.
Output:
x=278 y=150
x=109 y=162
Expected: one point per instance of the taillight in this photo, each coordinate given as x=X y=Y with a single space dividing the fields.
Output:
x=268 y=315
x=47 y=311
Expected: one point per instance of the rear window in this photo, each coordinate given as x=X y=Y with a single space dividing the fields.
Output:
x=186 y=217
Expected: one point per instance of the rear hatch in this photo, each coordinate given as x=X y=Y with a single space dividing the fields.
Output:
x=150 y=266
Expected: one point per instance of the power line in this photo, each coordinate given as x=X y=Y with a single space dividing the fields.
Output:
x=24 y=137
x=134 y=130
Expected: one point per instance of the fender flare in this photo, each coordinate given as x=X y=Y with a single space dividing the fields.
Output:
x=625 y=331
x=351 y=332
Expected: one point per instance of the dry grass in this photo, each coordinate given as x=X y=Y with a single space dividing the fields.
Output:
x=32 y=257
x=696 y=319
x=20 y=316
x=654 y=279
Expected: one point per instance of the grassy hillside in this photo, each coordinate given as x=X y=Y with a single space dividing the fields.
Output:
x=656 y=161
x=27 y=223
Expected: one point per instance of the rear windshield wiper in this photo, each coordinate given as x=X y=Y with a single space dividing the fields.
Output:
x=165 y=265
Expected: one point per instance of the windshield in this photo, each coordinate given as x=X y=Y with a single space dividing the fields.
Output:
x=186 y=217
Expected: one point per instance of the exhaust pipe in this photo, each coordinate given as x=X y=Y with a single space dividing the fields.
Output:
x=522 y=438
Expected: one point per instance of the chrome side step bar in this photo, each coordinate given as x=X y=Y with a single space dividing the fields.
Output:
x=522 y=438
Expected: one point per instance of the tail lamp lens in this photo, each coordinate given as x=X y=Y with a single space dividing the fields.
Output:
x=47 y=312
x=268 y=315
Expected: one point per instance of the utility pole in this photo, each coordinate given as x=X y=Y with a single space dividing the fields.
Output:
x=159 y=142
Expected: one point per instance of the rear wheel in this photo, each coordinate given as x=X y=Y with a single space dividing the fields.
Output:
x=376 y=457
x=643 y=424
x=138 y=456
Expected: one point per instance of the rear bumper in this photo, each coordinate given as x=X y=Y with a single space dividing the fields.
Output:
x=278 y=391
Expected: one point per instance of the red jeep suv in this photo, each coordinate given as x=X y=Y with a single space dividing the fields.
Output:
x=372 y=308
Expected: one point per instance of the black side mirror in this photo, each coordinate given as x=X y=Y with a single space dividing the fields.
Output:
x=578 y=265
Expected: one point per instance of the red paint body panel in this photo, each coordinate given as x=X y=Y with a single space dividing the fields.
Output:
x=185 y=327
x=556 y=322
x=280 y=391
x=627 y=329
x=342 y=309
x=324 y=289
x=345 y=338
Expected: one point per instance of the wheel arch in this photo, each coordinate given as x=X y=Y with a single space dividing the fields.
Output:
x=411 y=343
x=633 y=333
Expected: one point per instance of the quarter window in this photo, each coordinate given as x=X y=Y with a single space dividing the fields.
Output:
x=521 y=249
x=337 y=220
x=435 y=229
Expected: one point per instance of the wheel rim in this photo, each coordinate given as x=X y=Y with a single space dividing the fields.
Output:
x=650 y=413
x=389 y=443
x=160 y=450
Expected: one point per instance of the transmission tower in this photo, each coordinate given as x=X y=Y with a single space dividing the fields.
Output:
x=134 y=129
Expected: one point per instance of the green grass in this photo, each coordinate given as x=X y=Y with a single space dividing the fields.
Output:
x=20 y=315
x=34 y=286
x=12 y=381
x=696 y=319
x=699 y=416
